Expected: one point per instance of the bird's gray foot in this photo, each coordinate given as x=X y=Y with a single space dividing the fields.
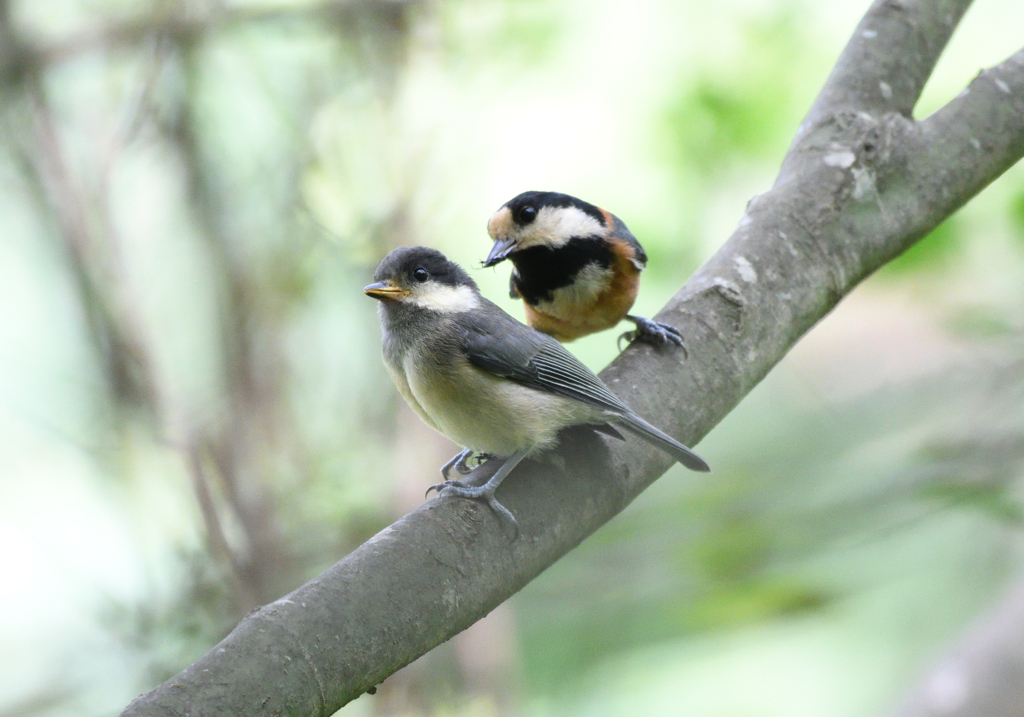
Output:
x=445 y=484
x=486 y=491
x=458 y=462
x=653 y=332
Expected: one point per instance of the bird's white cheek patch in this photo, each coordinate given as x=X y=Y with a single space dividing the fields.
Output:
x=557 y=225
x=447 y=299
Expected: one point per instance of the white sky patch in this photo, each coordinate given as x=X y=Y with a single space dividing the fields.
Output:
x=441 y=297
x=746 y=269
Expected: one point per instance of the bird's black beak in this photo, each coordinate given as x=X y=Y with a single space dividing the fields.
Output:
x=503 y=246
x=385 y=291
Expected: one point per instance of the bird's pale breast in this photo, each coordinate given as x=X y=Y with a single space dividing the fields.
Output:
x=487 y=413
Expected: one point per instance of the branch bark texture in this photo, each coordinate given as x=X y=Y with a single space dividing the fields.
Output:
x=862 y=182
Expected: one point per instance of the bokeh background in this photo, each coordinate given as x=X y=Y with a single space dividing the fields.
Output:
x=194 y=417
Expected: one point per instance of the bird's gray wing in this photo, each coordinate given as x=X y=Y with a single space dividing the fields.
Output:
x=495 y=342
x=621 y=232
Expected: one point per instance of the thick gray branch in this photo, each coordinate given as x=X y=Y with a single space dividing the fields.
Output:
x=983 y=676
x=890 y=57
x=885 y=65
x=861 y=186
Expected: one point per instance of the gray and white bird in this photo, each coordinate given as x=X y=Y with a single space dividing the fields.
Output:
x=493 y=385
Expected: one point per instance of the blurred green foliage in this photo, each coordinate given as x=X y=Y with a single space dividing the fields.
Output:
x=746 y=109
x=934 y=252
x=522 y=35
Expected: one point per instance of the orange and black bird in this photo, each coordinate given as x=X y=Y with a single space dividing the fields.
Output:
x=575 y=266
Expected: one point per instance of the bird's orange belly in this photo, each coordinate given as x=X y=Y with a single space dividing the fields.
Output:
x=569 y=317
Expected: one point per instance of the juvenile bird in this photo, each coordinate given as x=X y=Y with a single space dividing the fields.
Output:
x=575 y=266
x=493 y=385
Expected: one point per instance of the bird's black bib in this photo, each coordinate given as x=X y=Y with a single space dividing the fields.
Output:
x=541 y=269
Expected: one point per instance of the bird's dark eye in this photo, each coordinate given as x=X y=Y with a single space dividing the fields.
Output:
x=525 y=215
x=420 y=274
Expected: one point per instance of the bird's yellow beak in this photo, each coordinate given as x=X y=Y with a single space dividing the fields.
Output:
x=385 y=291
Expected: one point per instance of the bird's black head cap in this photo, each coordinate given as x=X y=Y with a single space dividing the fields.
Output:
x=411 y=265
x=525 y=206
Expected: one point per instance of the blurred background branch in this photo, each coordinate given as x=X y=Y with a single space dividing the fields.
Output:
x=188 y=23
x=983 y=674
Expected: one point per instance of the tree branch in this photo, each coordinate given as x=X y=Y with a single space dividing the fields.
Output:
x=890 y=57
x=861 y=183
x=111 y=314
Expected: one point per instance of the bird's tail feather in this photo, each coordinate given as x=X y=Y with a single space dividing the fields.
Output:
x=634 y=424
